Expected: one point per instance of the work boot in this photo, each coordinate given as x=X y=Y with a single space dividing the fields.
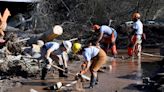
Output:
x=44 y=73
x=93 y=81
x=61 y=73
x=97 y=81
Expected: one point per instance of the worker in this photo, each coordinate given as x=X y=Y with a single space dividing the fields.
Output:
x=94 y=57
x=107 y=37
x=57 y=52
x=137 y=34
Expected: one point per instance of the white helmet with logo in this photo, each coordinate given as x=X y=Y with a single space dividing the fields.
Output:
x=40 y=43
x=67 y=45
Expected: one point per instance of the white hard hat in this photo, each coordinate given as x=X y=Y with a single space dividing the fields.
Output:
x=67 y=45
x=40 y=43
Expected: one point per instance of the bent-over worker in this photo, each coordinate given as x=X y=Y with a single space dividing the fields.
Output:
x=94 y=57
x=57 y=52
x=107 y=37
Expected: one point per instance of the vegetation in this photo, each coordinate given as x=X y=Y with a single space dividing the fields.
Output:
x=77 y=16
x=87 y=12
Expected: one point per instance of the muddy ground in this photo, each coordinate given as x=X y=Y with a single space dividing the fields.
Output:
x=124 y=76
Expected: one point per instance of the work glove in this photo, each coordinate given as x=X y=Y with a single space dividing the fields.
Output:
x=48 y=60
x=66 y=70
x=83 y=72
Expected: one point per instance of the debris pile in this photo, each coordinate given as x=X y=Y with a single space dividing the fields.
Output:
x=14 y=60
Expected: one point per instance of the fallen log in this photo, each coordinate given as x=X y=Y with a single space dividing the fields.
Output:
x=52 y=33
x=60 y=41
x=73 y=39
x=22 y=40
x=46 y=36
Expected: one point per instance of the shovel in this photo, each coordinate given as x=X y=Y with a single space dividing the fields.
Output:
x=59 y=85
x=82 y=75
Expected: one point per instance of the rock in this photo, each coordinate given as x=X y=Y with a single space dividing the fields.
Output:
x=32 y=90
x=57 y=86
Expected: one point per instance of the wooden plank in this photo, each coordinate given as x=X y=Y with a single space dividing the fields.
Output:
x=152 y=55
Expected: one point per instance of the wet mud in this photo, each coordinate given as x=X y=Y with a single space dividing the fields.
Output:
x=122 y=74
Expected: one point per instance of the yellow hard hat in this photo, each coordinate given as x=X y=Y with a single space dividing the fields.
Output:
x=136 y=15
x=76 y=47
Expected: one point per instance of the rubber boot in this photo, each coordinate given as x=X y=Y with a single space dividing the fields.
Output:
x=61 y=73
x=93 y=81
x=97 y=80
x=44 y=73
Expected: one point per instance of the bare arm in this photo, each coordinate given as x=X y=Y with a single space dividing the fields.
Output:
x=87 y=67
x=48 y=53
x=100 y=37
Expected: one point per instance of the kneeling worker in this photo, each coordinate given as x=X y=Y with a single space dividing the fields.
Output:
x=94 y=58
